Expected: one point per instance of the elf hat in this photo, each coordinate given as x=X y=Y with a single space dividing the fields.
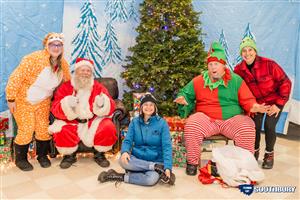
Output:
x=84 y=62
x=247 y=42
x=216 y=53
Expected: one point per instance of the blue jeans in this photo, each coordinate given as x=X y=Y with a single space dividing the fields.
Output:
x=139 y=172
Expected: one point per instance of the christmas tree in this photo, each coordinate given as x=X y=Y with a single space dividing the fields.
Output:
x=168 y=53
x=87 y=40
x=223 y=42
x=248 y=33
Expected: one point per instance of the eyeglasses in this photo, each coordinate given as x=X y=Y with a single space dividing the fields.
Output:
x=56 y=46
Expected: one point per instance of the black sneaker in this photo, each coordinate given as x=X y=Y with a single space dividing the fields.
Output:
x=67 y=161
x=268 y=161
x=164 y=178
x=191 y=170
x=159 y=168
x=101 y=160
x=110 y=175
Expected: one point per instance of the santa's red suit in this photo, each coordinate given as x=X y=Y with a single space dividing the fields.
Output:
x=88 y=121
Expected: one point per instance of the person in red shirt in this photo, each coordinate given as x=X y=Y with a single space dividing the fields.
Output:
x=270 y=85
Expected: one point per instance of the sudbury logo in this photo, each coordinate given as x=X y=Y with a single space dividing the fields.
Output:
x=246 y=189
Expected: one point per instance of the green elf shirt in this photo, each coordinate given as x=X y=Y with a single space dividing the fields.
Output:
x=223 y=99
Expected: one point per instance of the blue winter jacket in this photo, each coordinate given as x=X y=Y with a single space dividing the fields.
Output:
x=149 y=141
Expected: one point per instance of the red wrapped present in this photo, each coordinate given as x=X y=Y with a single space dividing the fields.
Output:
x=3 y=124
x=175 y=123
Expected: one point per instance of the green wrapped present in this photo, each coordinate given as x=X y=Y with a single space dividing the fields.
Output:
x=6 y=152
x=179 y=156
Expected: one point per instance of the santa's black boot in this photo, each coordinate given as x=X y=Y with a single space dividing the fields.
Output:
x=42 y=148
x=67 y=161
x=100 y=159
x=160 y=170
x=110 y=175
x=21 y=157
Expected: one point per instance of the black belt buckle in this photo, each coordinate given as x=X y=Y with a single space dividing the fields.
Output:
x=81 y=120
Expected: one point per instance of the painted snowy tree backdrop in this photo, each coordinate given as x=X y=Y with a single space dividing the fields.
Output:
x=116 y=10
x=87 y=41
x=132 y=13
x=112 y=50
x=248 y=33
x=223 y=42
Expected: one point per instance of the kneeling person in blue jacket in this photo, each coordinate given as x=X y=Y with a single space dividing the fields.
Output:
x=146 y=152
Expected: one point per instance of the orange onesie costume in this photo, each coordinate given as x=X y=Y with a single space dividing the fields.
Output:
x=31 y=87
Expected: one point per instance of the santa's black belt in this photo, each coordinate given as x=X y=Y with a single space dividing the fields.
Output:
x=81 y=120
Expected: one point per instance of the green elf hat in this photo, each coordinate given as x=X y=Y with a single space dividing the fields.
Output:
x=216 y=53
x=247 y=42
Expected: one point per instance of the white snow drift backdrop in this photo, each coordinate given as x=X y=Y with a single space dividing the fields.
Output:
x=103 y=31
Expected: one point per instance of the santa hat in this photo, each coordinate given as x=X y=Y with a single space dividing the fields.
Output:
x=216 y=53
x=84 y=62
x=248 y=42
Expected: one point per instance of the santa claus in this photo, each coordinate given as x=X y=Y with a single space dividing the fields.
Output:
x=83 y=109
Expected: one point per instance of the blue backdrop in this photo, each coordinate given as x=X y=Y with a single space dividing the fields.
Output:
x=275 y=25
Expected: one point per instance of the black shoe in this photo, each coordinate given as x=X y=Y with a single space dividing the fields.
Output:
x=110 y=175
x=44 y=162
x=101 y=160
x=163 y=177
x=21 y=157
x=191 y=170
x=256 y=154
x=268 y=161
x=67 y=161
x=24 y=165
x=42 y=150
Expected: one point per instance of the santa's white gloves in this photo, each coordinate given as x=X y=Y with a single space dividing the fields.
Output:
x=72 y=101
x=100 y=100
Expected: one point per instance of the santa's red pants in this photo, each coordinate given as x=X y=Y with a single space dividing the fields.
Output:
x=99 y=134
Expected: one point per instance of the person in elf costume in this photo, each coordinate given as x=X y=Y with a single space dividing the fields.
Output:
x=83 y=109
x=270 y=85
x=220 y=99
x=28 y=93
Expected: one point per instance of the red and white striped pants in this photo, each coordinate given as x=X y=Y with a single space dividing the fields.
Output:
x=240 y=128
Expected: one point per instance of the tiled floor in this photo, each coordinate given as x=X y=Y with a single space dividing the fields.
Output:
x=80 y=181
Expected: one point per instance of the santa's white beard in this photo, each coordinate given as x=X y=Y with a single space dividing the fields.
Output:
x=83 y=82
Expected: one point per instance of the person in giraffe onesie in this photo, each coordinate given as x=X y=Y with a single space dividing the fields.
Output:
x=220 y=99
x=29 y=91
x=83 y=109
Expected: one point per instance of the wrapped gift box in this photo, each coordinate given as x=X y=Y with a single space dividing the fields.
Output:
x=179 y=156
x=179 y=151
x=6 y=152
x=3 y=124
x=177 y=138
x=136 y=103
x=175 y=123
